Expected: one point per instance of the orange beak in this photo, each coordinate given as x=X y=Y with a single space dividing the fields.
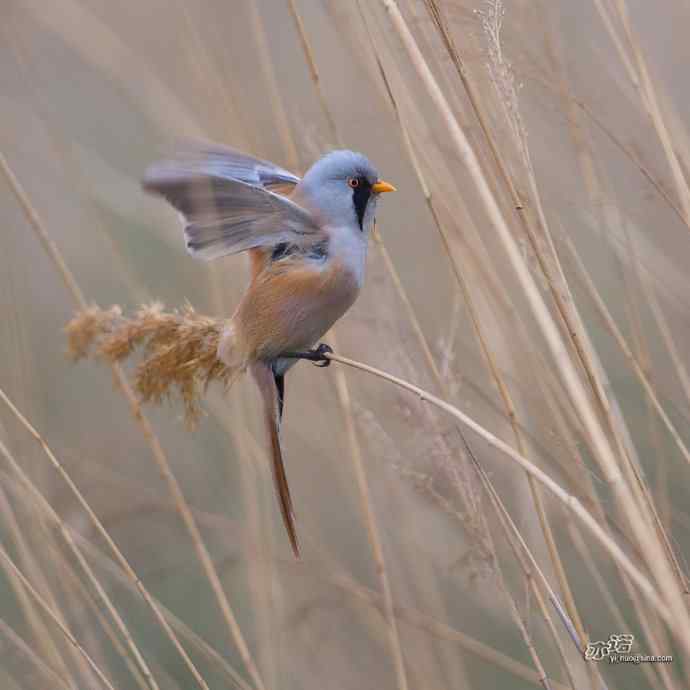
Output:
x=381 y=186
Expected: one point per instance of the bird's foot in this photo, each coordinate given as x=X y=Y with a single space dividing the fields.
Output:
x=320 y=352
x=317 y=355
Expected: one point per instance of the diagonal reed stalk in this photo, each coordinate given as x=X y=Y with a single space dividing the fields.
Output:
x=612 y=220
x=644 y=83
x=344 y=398
x=574 y=328
x=45 y=505
x=621 y=623
x=96 y=330
x=151 y=438
x=490 y=361
x=409 y=311
x=555 y=277
x=11 y=567
x=442 y=631
x=370 y=520
x=568 y=500
x=95 y=583
x=646 y=384
x=119 y=568
x=631 y=508
x=44 y=644
x=22 y=650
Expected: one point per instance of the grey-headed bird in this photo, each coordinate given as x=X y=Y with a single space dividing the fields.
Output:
x=307 y=252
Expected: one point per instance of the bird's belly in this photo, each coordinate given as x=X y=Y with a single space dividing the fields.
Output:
x=291 y=310
x=305 y=321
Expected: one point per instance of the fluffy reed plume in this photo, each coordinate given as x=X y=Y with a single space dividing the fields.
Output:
x=179 y=349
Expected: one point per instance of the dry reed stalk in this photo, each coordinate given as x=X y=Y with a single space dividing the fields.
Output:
x=645 y=84
x=603 y=520
x=620 y=621
x=259 y=580
x=314 y=72
x=574 y=326
x=442 y=631
x=669 y=342
x=95 y=583
x=371 y=523
x=488 y=357
x=633 y=157
x=643 y=358
x=151 y=438
x=24 y=650
x=557 y=491
x=343 y=391
x=627 y=150
x=341 y=383
x=418 y=578
x=30 y=564
x=216 y=86
x=142 y=665
x=67 y=536
x=81 y=184
x=600 y=515
x=75 y=611
x=611 y=218
x=625 y=349
x=520 y=620
x=663 y=498
x=121 y=574
x=529 y=567
x=43 y=641
x=595 y=371
x=203 y=647
x=255 y=476
x=13 y=570
x=91 y=336
x=630 y=507
x=266 y=63
x=507 y=400
x=627 y=449
x=390 y=267
x=527 y=638
x=104 y=622
x=651 y=396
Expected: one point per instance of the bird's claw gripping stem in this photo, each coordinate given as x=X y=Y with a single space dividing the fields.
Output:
x=317 y=355
x=320 y=359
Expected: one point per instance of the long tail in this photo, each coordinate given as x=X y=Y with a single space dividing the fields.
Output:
x=272 y=392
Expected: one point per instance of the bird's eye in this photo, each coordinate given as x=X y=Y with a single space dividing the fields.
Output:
x=353 y=182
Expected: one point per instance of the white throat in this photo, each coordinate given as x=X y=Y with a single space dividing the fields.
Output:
x=349 y=245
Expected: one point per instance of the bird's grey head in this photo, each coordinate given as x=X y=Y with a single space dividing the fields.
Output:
x=342 y=189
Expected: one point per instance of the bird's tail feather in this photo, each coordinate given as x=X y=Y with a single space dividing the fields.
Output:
x=272 y=400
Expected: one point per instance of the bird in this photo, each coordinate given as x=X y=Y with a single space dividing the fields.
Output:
x=307 y=241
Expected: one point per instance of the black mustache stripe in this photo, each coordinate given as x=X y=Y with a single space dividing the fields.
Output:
x=360 y=197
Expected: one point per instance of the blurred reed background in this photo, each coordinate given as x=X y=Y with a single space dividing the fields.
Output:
x=531 y=270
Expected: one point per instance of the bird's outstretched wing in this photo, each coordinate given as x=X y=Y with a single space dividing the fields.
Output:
x=227 y=163
x=227 y=203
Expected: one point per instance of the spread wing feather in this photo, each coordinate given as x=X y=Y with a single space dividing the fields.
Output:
x=227 y=203
x=227 y=163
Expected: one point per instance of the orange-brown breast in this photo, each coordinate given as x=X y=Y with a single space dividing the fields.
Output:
x=290 y=305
